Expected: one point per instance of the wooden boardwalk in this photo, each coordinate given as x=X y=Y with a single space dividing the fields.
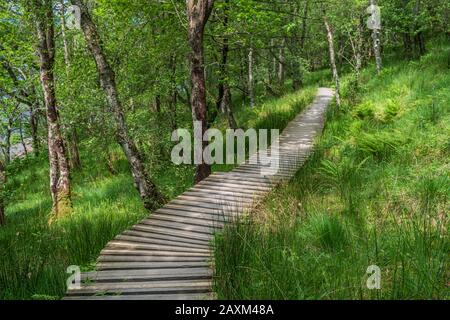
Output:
x=168 y=254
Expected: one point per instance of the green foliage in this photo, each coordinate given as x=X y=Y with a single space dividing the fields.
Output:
x=380 y=145
x=365 y=110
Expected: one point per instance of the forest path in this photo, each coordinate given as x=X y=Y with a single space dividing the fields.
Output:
x=168 y=255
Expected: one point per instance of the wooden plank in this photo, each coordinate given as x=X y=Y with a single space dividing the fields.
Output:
x=124 y=257
x=130 y=242
x=217 y=200
x=136 y=285
x=183 y=296
x=170 y=231
x=191 y=213
x=160 y=238
x=179 y=226
x=134 y=252
x=188 y=220
x=174 y=288
x=150 y=265
x=236 y=191
x=219 y=208
x=219 y=194
x=148 y=275
x=234 y=183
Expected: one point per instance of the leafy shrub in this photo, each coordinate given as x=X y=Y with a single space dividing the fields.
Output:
x=391 y=110
x=365 y=110
x=379 y=145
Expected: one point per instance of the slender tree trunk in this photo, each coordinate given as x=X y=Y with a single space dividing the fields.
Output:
x=8 y=142
x=358 y=49
x=173 y=100
x=376 y=43
x=281 y=63
x=407 y=45
x=63 y=33
x=223 y=64
x=74 y=155
x=22 y=140
x=2 y=195
x=198 y=14
x=228 y=111
x=333 y=60
x=272 y=69
x=274 y=61
x=303 y=37
x=419 y=40
x=34 y=129
x=59 y=166
x=147 y=189
x=75 y=161
x=251 y=80
x=157 y=104
x=223 y=103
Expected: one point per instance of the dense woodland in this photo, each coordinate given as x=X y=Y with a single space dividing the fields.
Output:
x=92 y=109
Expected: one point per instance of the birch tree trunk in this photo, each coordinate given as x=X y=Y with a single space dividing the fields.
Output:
x=376 y=43
x=333 y=60
x=74 y=155
x=198 y=13
x=59 y=166
x=146 y=188
x=251 y=80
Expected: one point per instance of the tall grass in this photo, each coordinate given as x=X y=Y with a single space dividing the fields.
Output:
x=375 y=192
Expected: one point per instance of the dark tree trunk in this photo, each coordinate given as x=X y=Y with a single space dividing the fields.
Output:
x=75 y=161
x=157 y=104
x=148 y=192
x=419 y=41
x=407 y=45
x=59 y=166
x=198 y=14
x=223 y=103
